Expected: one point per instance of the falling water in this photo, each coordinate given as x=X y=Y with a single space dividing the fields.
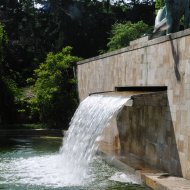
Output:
x=75 y=165
x=89 y=120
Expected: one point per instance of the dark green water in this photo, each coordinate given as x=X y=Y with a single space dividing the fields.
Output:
x=35 y=164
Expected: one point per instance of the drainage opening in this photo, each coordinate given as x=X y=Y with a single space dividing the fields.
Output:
x=141 y=88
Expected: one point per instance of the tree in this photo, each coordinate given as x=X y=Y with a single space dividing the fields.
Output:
x=7 y=85
x=33 y=31
x=123 y=33
x=55 y=89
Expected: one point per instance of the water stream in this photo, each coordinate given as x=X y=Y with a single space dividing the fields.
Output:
x=89 y=120
x=75 y=165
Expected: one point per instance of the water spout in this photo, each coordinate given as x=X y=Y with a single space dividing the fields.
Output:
x=89 y=120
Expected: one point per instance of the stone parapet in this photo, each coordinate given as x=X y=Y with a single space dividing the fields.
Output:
x=143 y=42
x=163 y=61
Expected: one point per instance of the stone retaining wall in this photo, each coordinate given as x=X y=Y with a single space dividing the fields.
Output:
x=145 y=131
x=164 y=61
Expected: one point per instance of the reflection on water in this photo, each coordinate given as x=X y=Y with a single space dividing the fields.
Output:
x=35 y=163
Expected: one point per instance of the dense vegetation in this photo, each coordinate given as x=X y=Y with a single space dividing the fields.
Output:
x=123 y=33
x=7 y=91
x=39 y=86
x=55 y=88
x=159 y=4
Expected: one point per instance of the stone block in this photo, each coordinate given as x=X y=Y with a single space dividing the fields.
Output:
x=187 y=94
x=138 y=41
x=187 y=77
x=188 y=154
x=150 y=152
x=187 y=86
x=180 y=145
x=168 y=116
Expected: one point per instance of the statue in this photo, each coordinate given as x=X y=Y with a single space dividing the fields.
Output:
x=168 y=18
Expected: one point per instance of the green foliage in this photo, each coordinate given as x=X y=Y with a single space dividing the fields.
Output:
x=55 y=89
x=12 y=86
x=5 y=71
x=7 y=101
x=159 y=4
x=7 y=86
x=33 y=32
x=123 y=33
x=3 y=43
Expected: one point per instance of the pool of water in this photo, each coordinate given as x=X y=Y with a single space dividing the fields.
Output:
x=36 y=164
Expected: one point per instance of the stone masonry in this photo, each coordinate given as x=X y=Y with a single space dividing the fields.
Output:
x=145 y=131
x=164 y=61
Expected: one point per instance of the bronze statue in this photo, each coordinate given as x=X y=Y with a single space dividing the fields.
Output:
x=168 y=18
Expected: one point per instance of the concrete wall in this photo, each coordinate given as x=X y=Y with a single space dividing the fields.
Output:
x=163 y=61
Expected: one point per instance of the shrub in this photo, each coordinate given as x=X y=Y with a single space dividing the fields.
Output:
x=123 y=33
x=55 y=97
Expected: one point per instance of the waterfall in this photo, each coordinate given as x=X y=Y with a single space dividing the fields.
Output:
x=89 y=120
x=75 y=165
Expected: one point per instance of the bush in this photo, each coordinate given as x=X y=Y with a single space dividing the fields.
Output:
x=55 y=96
x=123 y=33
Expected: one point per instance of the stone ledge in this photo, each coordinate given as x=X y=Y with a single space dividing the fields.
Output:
x=153 y=178
x=158 y=181
x=31 y=132
x=158 y=98
x=142 y=44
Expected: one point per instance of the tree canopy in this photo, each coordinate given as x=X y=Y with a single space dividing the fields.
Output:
x=123 y=33
x=7 y=85
x=31 y=29
x=55 y=88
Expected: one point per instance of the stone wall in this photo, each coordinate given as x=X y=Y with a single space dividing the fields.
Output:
x=164 y=61
x=145 y=130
